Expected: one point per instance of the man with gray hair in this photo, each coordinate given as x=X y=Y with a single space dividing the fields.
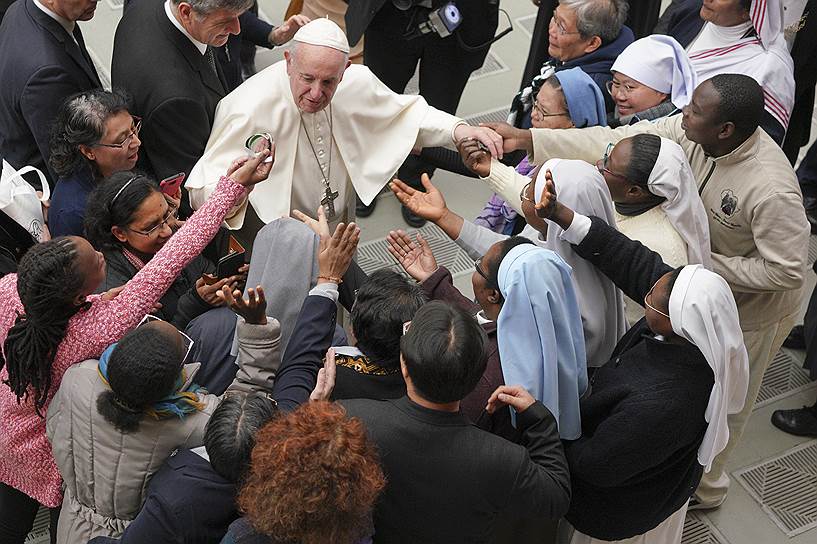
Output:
x=588 y=34
x=164 y=55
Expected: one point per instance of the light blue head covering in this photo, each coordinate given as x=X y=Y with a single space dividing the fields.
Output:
x=541 y=344
x=584 y=99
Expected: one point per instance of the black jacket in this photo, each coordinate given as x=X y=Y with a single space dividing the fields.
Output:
x=181 y=303
x=449 y=481
x=174 y=89
x=40 y=66
x=636 y=462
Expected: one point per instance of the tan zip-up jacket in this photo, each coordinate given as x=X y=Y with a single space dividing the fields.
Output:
x=757 y=223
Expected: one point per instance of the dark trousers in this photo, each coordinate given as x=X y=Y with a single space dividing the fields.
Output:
x=444 y=68
x=807 y=173
x=17 y=513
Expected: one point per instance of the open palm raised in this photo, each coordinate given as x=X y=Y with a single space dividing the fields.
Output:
x=416 y=259
x=429 y=205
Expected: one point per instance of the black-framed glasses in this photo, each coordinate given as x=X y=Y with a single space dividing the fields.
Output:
x=543 y=113
x=188 y=347
x=172 y=214
x=602 y=164
x=134 y=131
x=614 y=86
x=650 y=306
x=480 y=271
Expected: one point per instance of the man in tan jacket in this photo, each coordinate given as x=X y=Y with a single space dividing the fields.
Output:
x=758 y=227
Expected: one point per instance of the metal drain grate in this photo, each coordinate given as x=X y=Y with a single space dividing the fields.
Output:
x=785 y=487
x=493 y=116
x=527 y=24
x=785 y=376
x=39 y=533
x=699 y=530
x=373 y=255
x=493 y=65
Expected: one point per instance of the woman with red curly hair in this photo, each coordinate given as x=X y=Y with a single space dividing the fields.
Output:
x=314 y=478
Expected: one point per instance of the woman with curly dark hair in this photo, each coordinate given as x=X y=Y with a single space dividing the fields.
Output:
x=314 y=478
x=93 y=137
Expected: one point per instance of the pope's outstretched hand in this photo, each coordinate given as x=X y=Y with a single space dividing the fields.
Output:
x=485 y=135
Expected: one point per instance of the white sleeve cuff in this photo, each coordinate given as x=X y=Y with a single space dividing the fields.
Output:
x=578 y=229
x=328 y=290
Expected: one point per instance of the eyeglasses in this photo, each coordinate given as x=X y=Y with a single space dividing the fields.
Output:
x=602 y=164
x=186 y=339
x=134 y=131
x=523 y=194
x=543 y=113
x=614 y=86
x=480 y=271
x=560 y=27
x=171 y=214
x=650 y=306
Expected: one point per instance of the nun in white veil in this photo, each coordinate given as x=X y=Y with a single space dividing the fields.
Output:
x=582 y=188
x=703 y=311
x=653 y=78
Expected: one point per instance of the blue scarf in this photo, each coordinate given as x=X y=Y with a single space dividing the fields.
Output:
x=179 y=403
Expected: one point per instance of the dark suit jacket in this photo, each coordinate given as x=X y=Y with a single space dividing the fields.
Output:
x=173 y=87
x=449 y=481
x=479 y=18
x=40 y=66
x=187 y=501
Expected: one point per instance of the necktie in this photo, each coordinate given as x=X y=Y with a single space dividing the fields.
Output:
x=211 y=60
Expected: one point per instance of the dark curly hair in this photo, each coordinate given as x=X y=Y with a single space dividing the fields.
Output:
x=48 y=282
x=81 y=121
x=314 y=478
x=114 y=203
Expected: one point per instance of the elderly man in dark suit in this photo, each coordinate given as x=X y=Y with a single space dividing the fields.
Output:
x=164 y=55
x=44 y=61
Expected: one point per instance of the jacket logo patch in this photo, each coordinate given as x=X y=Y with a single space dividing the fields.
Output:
x=729 y=203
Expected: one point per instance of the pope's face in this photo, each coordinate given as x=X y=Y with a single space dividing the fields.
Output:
x=314 y=75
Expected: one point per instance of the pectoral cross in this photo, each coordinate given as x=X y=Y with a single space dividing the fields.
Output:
x=328 y=201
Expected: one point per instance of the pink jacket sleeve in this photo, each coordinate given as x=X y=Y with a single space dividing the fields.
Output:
x=108 y=320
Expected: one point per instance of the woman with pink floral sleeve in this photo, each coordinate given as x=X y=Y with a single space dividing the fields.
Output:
x=49 y=320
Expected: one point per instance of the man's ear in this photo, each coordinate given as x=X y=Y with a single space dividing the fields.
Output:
x=727 y=130
x=87 y=152
x=495 y=297
x=403 y=369
x=592 y=44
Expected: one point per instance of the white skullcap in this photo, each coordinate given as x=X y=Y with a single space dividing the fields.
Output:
x=323 y=32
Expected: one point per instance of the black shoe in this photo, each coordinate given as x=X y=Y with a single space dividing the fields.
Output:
x=362 y=210
x=802 y=422
x=796 y=338
x=413 y=220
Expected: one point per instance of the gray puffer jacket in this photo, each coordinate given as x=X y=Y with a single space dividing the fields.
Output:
x=106 y=472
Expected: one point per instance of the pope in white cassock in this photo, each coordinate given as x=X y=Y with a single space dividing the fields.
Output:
x=337 y=129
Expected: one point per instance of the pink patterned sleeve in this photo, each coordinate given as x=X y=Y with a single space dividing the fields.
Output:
x=111 y=319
